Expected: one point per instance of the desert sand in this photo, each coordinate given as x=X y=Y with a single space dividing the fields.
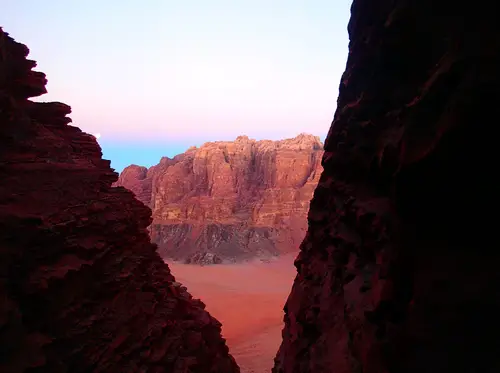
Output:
x=248 y=300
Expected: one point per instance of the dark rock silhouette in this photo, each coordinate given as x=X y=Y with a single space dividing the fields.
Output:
x=399 y=269
x=230 y=200
x=82 y=289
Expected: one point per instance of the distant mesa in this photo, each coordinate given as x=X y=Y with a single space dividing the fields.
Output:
x=230 y=201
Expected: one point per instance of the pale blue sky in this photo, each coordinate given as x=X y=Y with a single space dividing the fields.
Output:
x=155 y=77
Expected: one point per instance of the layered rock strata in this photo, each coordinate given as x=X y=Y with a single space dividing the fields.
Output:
x=231 y=200
x=82 y=289
x=399 y=268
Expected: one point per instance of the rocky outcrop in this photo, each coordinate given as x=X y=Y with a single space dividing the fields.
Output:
x=230 y=201
x=82 y=289
x=399 y=268
x=135 y=178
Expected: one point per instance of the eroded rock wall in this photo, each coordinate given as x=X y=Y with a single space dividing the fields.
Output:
x=230 y=200
x=82 y=289
x=399 y=268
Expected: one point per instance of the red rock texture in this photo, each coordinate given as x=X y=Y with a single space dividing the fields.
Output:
x=135 y=179
x=82 y=289
x=230 y=201
x=399 y=268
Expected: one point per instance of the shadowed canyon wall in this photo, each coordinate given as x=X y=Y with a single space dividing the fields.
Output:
x=399 y=268
x=230 y=200
x=82 y=289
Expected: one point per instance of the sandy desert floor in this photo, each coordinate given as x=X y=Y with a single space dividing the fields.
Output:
x=248 y=300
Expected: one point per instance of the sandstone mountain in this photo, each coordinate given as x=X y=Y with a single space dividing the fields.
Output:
x=231 y=200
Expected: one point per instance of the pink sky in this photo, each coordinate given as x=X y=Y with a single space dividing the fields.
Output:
x=192 y=71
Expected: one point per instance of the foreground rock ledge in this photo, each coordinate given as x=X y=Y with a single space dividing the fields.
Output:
x=82 y=289
x=399 y=269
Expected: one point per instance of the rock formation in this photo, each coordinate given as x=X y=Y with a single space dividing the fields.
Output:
x=82 y=289
x=231 y=201
x=399 y=268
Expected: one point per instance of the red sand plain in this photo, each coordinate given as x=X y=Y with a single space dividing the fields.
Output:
x=248 y=300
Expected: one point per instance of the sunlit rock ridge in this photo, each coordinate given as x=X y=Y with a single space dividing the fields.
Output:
x=229 y=201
